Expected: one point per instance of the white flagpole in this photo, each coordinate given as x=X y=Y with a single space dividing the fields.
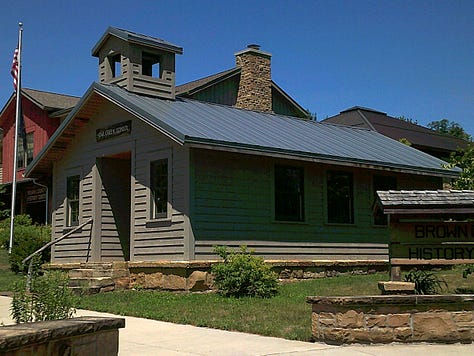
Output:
x=17 y=121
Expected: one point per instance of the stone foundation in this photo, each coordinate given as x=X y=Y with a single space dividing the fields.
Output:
x=76 y=336
x=194 y=276
x=400 y=318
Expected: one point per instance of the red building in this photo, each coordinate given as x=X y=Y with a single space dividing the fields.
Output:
x=42 y=114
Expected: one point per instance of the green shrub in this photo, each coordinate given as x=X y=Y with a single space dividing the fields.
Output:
x=467 y=271
x=27 y=239
x=49 y=298
x=425 y=282
x=243 y=274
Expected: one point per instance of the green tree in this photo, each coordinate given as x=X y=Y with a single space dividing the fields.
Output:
x=464 y=159
x=407 y=119
x=451 y=128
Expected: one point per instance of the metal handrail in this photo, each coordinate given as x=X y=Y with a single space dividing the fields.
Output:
x=48 y=245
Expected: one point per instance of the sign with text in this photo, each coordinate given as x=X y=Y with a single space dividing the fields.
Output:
x=120 y=129
x=36 y=195
x=418 y=241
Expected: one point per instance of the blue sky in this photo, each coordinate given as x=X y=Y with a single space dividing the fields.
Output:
x=410 y=58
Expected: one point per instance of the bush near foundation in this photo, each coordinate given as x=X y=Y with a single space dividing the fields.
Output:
x=49 y=298
x=243 y=274
x=28 y=238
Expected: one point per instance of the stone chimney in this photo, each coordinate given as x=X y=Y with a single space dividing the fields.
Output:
x=255 y=87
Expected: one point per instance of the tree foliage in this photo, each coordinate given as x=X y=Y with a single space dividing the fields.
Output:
x=464 y=159
x=451 y=128
x=407 y=119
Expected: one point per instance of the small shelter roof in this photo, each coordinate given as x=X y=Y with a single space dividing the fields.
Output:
x=130 y=36
x=425 y=201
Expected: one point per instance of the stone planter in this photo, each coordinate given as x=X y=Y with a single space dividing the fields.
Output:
x=393 y=318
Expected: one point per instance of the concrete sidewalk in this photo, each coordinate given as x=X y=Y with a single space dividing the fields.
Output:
x=150 y=337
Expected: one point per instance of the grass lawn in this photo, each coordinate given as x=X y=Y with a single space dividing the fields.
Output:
x=7 y=277
x=286 y=315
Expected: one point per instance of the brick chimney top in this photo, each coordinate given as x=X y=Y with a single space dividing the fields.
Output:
x=253 y=49
x=255 y=86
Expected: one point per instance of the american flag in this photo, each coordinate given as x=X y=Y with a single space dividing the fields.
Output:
x=14 y=70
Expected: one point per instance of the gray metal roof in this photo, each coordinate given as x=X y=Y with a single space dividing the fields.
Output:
x=194 y=122
x=135 y=37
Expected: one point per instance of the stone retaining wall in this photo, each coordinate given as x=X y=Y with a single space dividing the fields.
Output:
x=76 y=336
x=386 y=318
x=196 y=276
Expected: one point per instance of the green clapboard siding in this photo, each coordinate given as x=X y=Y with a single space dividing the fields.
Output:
x=233 y=201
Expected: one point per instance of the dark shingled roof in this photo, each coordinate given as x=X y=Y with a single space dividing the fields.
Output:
x=426 y=198
x=395 y=128
x=50 y=101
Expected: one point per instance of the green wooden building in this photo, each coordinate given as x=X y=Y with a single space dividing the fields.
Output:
x=166 y=177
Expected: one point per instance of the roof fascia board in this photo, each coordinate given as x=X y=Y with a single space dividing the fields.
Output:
x=301 y=156
x=60 y=130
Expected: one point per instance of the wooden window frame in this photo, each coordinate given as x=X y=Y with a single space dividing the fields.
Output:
x=69 y=210
x=24 y=158
x=280 y=194
x=332 y=218
x=153 y=215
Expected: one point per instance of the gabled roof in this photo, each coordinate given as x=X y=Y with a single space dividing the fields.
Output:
x=212 y=126
x=50 y=101
x=395 y=128
x=200 y=84
x=403 y=201
x=135 y=38
x=46 y=101
x=188 y=89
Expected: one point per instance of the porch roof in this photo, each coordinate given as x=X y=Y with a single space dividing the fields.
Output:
x=213 y=126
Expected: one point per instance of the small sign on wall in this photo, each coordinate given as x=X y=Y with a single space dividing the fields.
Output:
x=36 y=195
x=120 y=129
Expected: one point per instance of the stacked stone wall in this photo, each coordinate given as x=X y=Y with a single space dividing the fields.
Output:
x=76 y=336
x=255 y=87
x=385 y=319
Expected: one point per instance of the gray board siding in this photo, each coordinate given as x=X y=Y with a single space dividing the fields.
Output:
x=159 y=241
x=189 y=121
